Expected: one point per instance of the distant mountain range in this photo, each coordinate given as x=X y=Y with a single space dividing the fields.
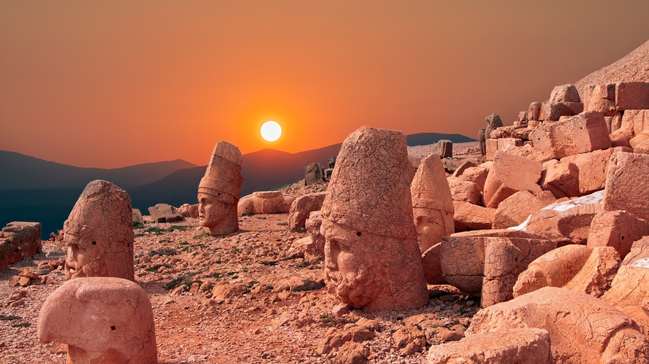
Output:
x=33 y=189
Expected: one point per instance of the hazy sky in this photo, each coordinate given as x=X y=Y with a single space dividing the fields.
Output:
x=116 y=83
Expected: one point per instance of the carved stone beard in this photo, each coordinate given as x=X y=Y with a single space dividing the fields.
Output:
x=357 y=289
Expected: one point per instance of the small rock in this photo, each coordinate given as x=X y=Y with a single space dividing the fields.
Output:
x=340 y=310
x=352 y=353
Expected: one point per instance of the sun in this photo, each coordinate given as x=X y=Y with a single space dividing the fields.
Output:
x=271 y=131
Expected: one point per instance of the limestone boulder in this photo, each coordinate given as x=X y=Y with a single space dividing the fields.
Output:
x=575 y=267
x=19 y=240
x=265 y=202
x=582 y=328
x=630 y=294
x=617 y=229
x=627 y=185
x=462 y=190
x=508 y=175
x=582 y=133
x=515 y=209
x=187 y=210
x=303 y=206
x=515 y=346
x=468 y=216
x=555 y=111
x=102 y=320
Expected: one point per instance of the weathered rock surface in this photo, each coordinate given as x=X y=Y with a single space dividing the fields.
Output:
x=19 y=240
x=515 y=346
x=462 y=190
x=515 y=209
x=431 y=261
x=468 y=216
x=265 y=202
x=508 y=175
x=301 y=208
x=582 y=328
x=618 y=229
x=626 y=184
x=102 y=320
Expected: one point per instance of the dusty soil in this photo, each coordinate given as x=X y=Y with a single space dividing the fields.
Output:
x=273 y=319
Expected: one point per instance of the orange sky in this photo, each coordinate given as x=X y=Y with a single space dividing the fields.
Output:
x=116 y=83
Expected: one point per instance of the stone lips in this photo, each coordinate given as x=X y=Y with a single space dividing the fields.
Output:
x=364 y=193
x=103 y=215
x=102 y=320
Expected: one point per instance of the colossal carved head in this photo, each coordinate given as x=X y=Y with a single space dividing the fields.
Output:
x=99 y=233
x=432 y=203
x=102 y=320
x=371 y=255
x=219 y=190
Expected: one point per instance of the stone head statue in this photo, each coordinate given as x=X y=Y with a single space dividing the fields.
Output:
x=102 y=320
x=99 y=233
x=432 y=203
x=371 y=255
x=220 y=189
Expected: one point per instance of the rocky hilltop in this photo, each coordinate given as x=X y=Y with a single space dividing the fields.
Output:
x=530 y=247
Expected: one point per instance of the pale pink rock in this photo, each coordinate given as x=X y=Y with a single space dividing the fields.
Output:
x=560 y=178
x=372 y=259
x=595 y=277
x=219 y=190
x=102 y=320
x=462 y=190
x=631 y=95
x=638 y=139
x=642 y=147
x=137 y=216
x=515 y=346
x=617 y=229
x=187 y=210
x=491 y=149
x=515 y=209
x=505 y=142
x=99 y=233
x=564 y=93
x=526 y=151
x=556 y=111
x=627 y=185
x=462 y=255
x=579 y=134
x=431 y=261
x=477 y=175
x=468 y=216
x=629 y=293
x=432 y=203
x=508 y=175
x=592 y=168
x=19 y=240
x=639 y=251
x=462 y=168
x=301 y=208
x=600 y=98
x=582 y=328
x=265 y=202
x=504 y=260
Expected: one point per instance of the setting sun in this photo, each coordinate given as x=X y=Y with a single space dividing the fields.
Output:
x=271 y=131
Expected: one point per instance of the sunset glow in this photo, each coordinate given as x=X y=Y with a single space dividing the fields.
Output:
x=271 y=131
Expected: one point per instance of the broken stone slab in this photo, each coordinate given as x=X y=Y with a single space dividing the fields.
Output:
x=526 y=345
x=102 y=320
x=462 y=256
x=593 y=168
x=265 y=202
x=468 y=216
x=630 y=294
x=555 y=111
x=137 y=216
x=578 y=268
x=564 y=93
x=431 y=261
x=627 y=185
x=562 y=179
x=504 y=260
x=508 y=175
x=462 y=190
x=618 y=229
x=639 y=251
x=313 y=173
x=443 y=148
x=19 y=240
x=583 y=329
x=631 y=95
x=302 y=206
x=169 y=212
x=477 y=175
x=156 y=215
x=600 y=98
x=581 y=133
x=515 y=209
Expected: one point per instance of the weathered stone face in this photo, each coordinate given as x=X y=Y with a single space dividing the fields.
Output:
x=99 y=233
x=371 y=253
x=102 y=320
x=217 y=215
x=220 y=189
